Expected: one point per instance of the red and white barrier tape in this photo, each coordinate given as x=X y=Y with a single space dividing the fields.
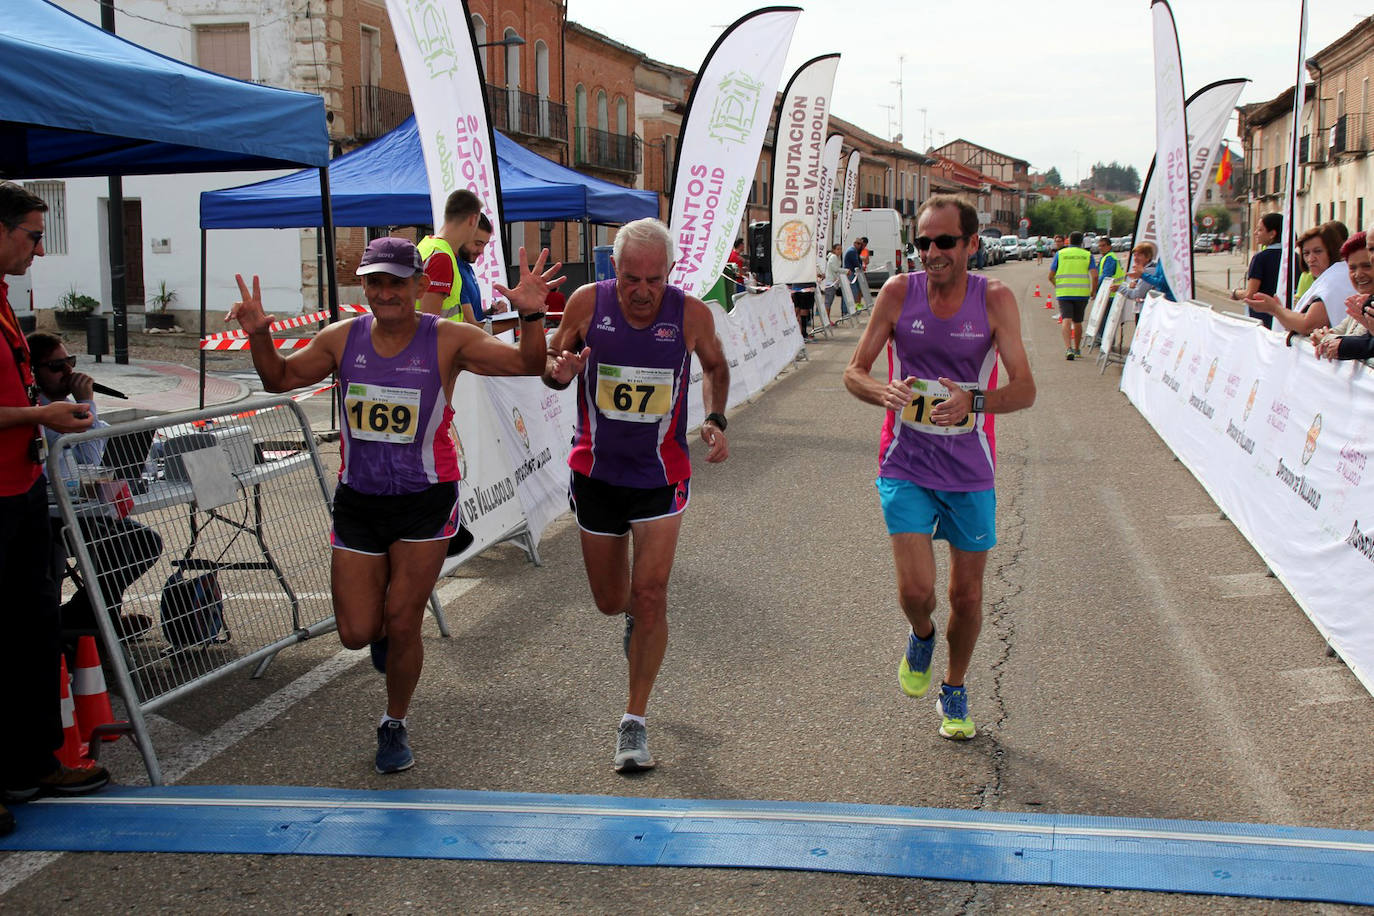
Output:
x=285 y=324
x=241 y=343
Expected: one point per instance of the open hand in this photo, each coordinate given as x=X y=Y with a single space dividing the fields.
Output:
x=534 y=286
x=248 y=311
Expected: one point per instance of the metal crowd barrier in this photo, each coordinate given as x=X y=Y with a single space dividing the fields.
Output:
x=201 y=540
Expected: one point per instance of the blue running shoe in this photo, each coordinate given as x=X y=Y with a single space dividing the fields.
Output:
x=378 y=649
x=393 y=748
x=913 y=673
x=953 y=707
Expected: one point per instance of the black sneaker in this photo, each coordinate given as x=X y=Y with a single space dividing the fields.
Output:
x=63 y=781
x=378 y=649
x=393 y=748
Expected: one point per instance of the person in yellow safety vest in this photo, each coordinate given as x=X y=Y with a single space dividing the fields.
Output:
x=439 y=252
x=1074 y=277
x=1109 y=266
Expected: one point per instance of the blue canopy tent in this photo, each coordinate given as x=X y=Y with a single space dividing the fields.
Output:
x=384 y=184
x=78 y=101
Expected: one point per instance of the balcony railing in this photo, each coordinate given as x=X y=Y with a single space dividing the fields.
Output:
x=377 y=110
x=514 y=111
x=605 y=150
x=1304 y=149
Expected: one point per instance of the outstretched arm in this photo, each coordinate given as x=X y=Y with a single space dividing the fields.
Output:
x=306 y=366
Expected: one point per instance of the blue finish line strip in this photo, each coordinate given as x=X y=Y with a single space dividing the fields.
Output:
x=1249 y=860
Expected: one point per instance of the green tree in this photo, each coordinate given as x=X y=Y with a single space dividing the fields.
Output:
x=1221 y=220
x=1052 y=178
x=1123 y=220
x=1060 y=216
x=1114 y=177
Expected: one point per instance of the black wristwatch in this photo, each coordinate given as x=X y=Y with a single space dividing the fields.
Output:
x=979 y=400
x=533 y=316
x=718 y=419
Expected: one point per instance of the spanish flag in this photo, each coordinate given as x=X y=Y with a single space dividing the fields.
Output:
x=1224 y=166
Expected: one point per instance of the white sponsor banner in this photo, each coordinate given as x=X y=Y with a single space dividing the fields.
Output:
x=851 y=193
x=1283 y=442
x=487 y=490
x=722 y=136
x=830 y=163
x=1208 y=112
x=798 y=156
x=536 y=424
x=1290 y=209
x=435 y=41
x=1173 y=211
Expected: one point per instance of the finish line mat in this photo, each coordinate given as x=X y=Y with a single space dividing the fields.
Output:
x=1297 y=863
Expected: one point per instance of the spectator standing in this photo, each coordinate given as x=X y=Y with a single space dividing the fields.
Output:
x=29 y=672
x=853 y=263
x=834 y=265
x=1263 y=275
x=734 y=265
x=1321 y=252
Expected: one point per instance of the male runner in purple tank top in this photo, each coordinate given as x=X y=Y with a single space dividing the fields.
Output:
x=396 y=506
x=630 y=469
x=944 y=330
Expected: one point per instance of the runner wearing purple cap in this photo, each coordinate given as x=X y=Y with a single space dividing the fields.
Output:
x=396 y=505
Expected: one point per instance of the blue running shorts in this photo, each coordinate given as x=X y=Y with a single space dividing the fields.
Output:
x=968 y=521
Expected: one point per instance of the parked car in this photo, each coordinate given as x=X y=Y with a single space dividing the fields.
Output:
x=1027 y=247
x=1012 y=246
x=1121 y=243
x=1204 y=242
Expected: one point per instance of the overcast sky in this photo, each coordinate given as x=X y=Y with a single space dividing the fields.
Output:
x=1007 y=74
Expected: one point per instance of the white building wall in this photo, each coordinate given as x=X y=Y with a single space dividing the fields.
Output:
x=171 y=203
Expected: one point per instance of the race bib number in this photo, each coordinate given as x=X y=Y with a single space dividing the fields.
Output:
x=377 y=413
x=926 y=395
x=634 y=393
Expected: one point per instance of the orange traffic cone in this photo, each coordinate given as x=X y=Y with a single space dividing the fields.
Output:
x=73 y=751
x=92 y=699
x=1036 y=295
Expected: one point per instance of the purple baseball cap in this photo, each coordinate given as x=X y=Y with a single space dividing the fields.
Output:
x=389 y=254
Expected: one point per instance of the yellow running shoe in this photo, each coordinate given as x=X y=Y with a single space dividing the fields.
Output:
x=953 y=707
x=913 y=673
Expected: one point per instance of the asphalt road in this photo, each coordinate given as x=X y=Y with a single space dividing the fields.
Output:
x=1135 y=661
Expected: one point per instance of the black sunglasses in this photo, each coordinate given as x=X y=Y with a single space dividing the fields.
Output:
x=57 y=365
x=942 y=242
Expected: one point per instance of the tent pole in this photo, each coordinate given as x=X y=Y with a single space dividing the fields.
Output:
x=327 y=211
x=202 y=318
x=587 y=249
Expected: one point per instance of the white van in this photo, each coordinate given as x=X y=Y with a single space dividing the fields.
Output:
x=883 y=229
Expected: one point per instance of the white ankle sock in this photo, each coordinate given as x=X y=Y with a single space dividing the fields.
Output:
x=629 y=718
x=404 y=722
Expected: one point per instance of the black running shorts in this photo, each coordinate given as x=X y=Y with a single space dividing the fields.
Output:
x=369 y=524
x=604 y=508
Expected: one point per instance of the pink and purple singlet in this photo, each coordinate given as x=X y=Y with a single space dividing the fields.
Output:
x=959 y=458
x=632 y=396
x=395 y=434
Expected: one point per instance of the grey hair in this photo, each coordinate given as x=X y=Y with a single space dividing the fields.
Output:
x=646 y=232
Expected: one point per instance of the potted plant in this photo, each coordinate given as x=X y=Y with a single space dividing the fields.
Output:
x=73 y=308
x=156 y=316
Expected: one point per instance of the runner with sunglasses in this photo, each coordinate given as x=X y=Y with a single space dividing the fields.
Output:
x=946 y=329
